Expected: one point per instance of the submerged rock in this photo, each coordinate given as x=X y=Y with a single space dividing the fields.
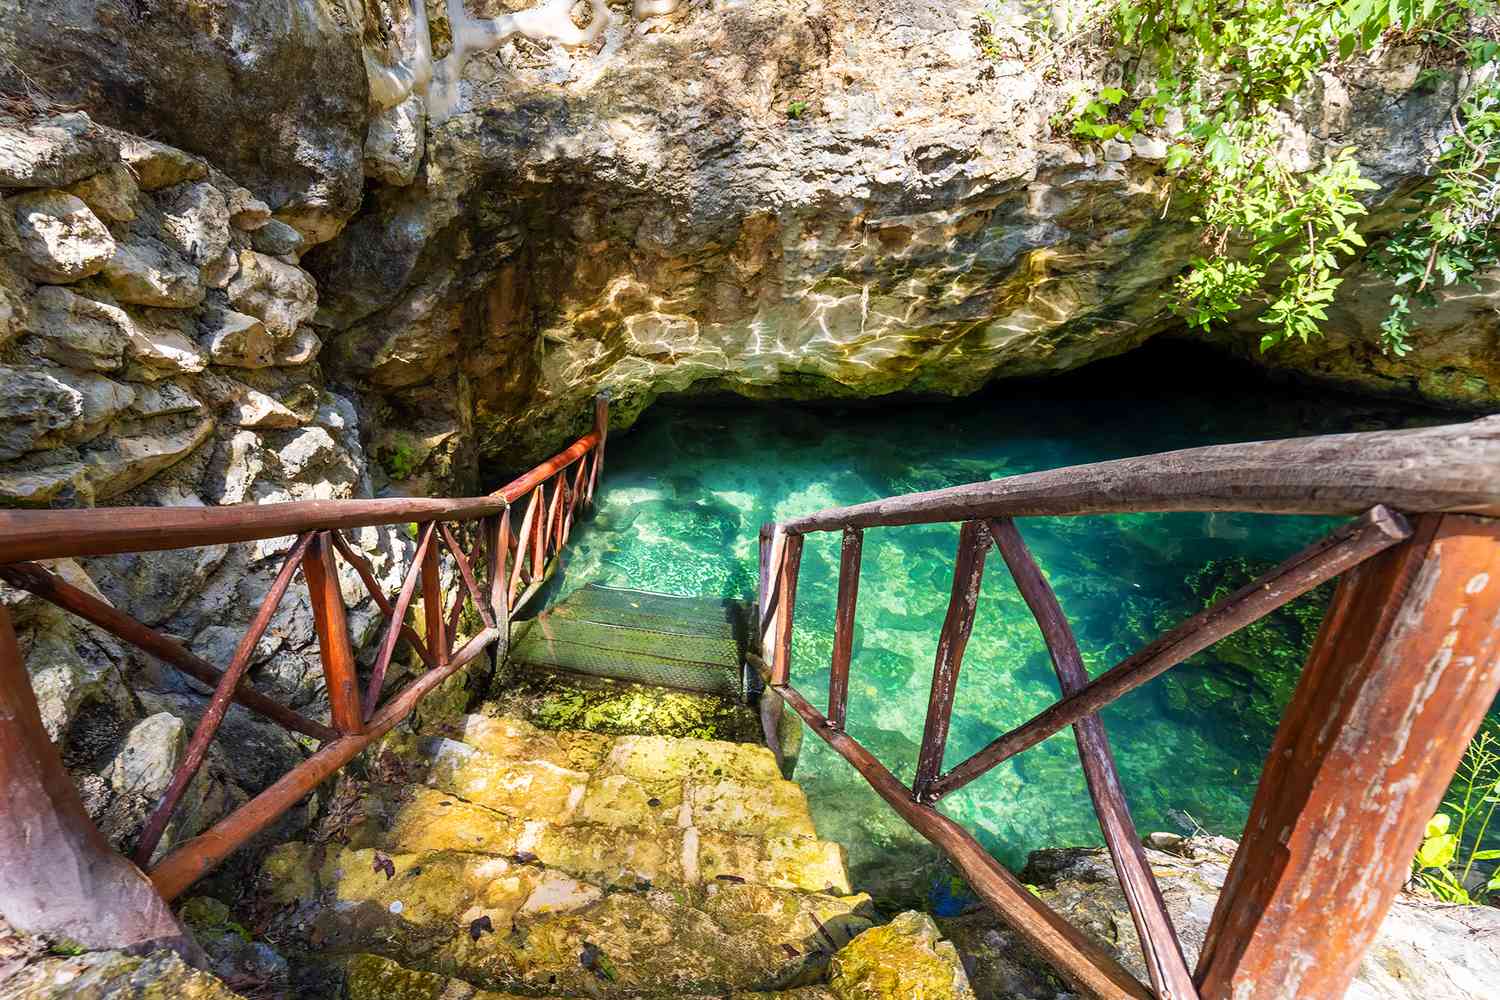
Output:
x=113 y=975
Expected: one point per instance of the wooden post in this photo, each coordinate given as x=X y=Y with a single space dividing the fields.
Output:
x=432 y=603
x=843 y=625
x=791 y=564
x=330 y=621
x=968 y=573
x=59 y=878
x=1165 y=962
x=1403 y=671
x=601 y=427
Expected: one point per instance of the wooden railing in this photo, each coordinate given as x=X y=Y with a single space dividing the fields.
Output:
x=495 y=568
x=1404 y=668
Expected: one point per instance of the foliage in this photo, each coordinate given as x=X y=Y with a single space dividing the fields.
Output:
x=796 y=110
x=1270 y=232
x=1456 y=229
x=1445 y=862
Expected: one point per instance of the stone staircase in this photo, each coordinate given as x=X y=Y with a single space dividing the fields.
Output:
x=489 y=852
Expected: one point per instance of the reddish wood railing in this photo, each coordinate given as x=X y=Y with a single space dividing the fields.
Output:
x=1404 y=668
x=495 y=569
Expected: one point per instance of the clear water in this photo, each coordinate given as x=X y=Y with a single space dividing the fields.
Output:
x=688 y=487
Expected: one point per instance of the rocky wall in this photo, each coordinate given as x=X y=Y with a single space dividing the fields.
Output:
x=155 y=350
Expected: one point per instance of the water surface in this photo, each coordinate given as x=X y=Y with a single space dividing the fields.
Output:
x=687 y=489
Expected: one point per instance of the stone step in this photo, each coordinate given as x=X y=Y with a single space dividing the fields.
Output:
x=417 y=818
x=370 y=977
x=640 y=782
x=505 y=925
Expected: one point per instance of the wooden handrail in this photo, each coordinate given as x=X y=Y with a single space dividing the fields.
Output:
x=1454 y=468
x=102 y=531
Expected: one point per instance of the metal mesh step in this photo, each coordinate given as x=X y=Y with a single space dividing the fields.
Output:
x=691 y=643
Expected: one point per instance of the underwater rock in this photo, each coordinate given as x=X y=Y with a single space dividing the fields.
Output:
x=113 y=975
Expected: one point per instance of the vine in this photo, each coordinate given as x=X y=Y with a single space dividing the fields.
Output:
x=1271 y=233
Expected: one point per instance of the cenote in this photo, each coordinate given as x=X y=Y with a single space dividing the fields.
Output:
x=690 y=484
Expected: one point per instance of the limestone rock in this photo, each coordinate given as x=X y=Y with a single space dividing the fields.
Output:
x=77 y=331
x=157 y=165
x=280 y=295
x=252 y=408
x=162 y=340
x=127 y=461
x=246 y=211
x=111 y=193
x=904 y=958
x=195 y=222
x=276 y=239
x=237 y=340
x=103 y=399
x=396 y=141
x=75 y=674
x=147 y=272
x=149 y=756
x=15 y=290
x=301 y=349
x=162 y=399
x=35 y=404
x=62 y=240
x=113 y=975
x=274 y=93
x=44 y=481
x=53 y=152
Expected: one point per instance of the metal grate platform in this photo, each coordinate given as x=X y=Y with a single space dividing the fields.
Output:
x=691 y=643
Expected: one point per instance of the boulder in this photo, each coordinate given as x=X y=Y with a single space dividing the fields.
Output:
x=161 y=342
x=396 y=141
x=162 y=399
x=111 y=193
x=62 y=240
x=274 y=92
x=53 y=152
x=237 y=340
x=114 y=975
x=147 y=272
x=276 y=239
x=125 y=462
x=302 y=348
x=149 y=756
x=195 y=221
x=157 y=165
x=77 y=331
x=34 y=405
x=280 y=295
x=904 y=958
x=253 y=408
x=103 y=400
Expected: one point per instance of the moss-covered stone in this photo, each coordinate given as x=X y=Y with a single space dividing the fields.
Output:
x=905 y=959
x=113 y=975
x=505 y=925
x=617 y=708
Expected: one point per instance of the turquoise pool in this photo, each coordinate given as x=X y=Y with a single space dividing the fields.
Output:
x=687 y=488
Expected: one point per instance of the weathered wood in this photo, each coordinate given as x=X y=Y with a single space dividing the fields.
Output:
x=1452 y=468
x=539 y=533
x=1165 y=963
x=200 y=855
x=218 y=705
x=968 y=575
x=393 y=628
x=519 y=487
x=1077 y=958
x=466 y=572
x=1404 y=668
x=330 y=621
x=372 y=587
x=601 y=430
x=432 y=602
x=498 y=544
x=523 y=549
x=55 y=534
x=843 y=625
x=1372 y=533
x=791 y=563
x=552 y=539
x=59 y=877
x=35 y=579
x=772 y=590
x=770 y=702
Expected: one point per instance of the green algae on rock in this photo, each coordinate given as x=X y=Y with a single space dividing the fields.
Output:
x=113 y=975
x=906 y=959
x=620 y=708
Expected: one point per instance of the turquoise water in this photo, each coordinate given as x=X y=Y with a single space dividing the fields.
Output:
x=687 y=489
